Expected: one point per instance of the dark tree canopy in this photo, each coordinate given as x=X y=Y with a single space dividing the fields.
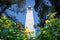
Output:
x=5 y=4
x=56 y=6
x=44 y=9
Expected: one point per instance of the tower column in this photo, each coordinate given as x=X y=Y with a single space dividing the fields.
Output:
x=29 y=23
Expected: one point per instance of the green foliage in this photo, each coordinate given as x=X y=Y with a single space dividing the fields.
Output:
x=51 y=30
x=9 y=31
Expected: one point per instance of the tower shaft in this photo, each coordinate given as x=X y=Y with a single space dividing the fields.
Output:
x=29 y=23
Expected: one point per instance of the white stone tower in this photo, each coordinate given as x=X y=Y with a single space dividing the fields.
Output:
x=29 y=23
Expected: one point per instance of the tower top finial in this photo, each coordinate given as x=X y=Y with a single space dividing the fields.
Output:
x=29 y=8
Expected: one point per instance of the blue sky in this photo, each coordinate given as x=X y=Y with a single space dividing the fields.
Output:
x=22 y=16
